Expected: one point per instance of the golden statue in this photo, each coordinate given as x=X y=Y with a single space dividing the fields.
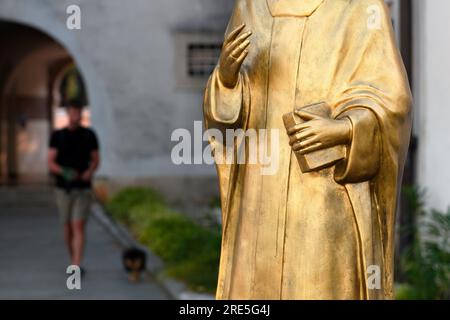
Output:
x=330 y=73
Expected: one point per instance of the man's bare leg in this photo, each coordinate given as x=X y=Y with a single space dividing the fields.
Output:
x=68 y=235
x=78 y=240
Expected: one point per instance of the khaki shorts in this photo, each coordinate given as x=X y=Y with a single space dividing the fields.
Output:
x=74 y=205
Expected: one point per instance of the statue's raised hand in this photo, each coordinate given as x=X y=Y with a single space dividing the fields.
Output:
x=233 y=54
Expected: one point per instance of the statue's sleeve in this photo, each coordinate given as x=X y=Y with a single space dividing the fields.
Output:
x=224 y=105
x=363 y=154
x=373 y=92
x=227 y=107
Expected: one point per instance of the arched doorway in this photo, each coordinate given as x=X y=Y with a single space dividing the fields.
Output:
x=32 y=68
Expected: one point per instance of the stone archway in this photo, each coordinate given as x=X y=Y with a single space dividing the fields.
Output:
x=46 y=54
x=51 y=21
x=33 y=60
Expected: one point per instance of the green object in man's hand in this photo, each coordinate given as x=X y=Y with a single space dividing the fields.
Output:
x=68 y=174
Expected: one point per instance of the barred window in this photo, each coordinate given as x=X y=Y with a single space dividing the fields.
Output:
x=202 y=58
x=196 y=57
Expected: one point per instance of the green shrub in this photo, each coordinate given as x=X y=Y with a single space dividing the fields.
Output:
x=200 y=273
x=190 y=252
x=123 y=202
x=426 y=263
x=141 y=215
x=406 y=292
x=176 y=238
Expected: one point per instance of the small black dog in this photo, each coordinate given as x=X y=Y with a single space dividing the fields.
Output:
x=134 y=261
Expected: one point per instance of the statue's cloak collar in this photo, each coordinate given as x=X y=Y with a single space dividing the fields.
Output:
x=294 y=8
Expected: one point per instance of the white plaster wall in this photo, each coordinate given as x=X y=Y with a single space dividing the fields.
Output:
x=432 y=96
x=125 y=51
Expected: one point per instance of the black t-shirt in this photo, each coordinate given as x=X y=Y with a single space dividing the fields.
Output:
x=74 y=151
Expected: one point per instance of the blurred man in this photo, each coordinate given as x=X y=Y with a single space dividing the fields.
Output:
x=73 y=158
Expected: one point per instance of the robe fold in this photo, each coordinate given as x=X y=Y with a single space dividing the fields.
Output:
x=294 y=235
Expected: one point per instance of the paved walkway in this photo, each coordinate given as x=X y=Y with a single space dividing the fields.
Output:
x=33 y=258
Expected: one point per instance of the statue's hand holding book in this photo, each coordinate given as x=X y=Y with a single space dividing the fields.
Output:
x=317 y=140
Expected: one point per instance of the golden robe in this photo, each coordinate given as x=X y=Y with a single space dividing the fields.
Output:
x=295 y=235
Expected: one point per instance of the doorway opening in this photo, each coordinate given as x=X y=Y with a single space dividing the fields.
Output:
x=37 y=78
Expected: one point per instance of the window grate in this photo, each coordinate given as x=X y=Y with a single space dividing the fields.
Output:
x=202 y=58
